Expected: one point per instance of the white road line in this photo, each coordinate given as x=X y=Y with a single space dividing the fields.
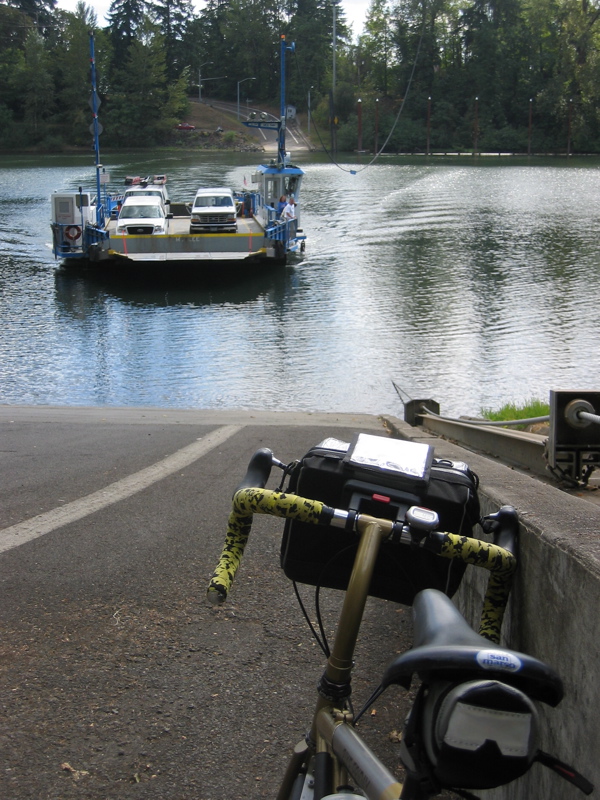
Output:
x=51 y=520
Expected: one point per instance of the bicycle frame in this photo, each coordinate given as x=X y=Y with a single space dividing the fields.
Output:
x=332 y=733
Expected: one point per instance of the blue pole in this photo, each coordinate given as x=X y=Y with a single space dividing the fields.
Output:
x=282 y=104
x=282 y=110
x=96 y=133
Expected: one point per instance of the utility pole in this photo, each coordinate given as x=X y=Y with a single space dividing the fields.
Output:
x=200 y=79
x=332 y=117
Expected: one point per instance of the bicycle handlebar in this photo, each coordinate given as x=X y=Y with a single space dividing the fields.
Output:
x=259 y=469
x=504 y=525
x=249 y=501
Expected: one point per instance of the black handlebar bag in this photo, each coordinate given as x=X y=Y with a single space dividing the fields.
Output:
x=382 y=477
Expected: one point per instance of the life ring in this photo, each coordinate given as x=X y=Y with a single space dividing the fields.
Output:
x=73 y=232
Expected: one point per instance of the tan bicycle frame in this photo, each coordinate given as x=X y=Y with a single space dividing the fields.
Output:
x=331 y=729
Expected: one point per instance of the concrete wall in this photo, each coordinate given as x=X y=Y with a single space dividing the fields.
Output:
x=554 y=611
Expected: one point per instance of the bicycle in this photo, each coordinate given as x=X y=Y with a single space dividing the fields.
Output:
x=474 y=722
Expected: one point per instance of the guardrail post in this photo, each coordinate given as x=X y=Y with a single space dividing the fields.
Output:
x=414 y=408
x=574 y=442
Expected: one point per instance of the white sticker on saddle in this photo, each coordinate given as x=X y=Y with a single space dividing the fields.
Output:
x=498 y=660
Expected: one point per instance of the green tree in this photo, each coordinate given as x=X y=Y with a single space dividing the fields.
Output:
x=311 y=29
x=252 y=38
x=174 y=17
x=34 y=85
x=71 y=61
x=139 y=98
x=375 y=51
x=208 y=45
x=15 y=26
x=126 y=19
x=39 y=11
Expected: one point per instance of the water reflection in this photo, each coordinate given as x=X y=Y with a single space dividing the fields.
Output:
x=76 y=291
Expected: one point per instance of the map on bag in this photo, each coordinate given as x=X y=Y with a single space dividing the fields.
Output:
x=396 y=456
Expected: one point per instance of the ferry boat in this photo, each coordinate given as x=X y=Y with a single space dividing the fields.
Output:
x=86 y=224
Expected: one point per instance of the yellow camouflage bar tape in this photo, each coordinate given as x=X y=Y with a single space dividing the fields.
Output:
x=500 y=562
x=246 y=503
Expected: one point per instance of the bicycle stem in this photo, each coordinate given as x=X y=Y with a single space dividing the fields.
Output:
x=339 y=665
x=335 y=683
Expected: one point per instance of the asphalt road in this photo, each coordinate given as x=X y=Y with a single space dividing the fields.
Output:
x=117 y=679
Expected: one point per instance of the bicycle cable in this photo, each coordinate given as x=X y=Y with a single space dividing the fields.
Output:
x=322 y=642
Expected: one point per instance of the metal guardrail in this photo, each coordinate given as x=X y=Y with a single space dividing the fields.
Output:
x=570 y=451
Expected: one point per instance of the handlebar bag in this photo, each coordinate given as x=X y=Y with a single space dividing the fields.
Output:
x=320 y=555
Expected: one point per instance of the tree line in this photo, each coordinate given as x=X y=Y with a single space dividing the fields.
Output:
x=488 y=75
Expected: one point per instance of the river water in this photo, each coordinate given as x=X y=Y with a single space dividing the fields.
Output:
x=474 y=282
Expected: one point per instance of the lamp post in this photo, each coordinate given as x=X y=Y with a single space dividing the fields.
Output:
x=428 y=125
x=238 y=93
x=200 y=79
x=312 y=87
x=359 y=114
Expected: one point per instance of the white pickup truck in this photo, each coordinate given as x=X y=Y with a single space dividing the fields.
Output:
x=214 y=211
x=141 y=216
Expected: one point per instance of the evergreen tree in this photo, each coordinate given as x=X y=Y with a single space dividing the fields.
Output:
x=72 y=70
x=252 y=38
x=311 y=28
x=34 y=85
x=139 y=96
x=375 y=49
x=39 y=11
x=126 y=18
x=174 y=17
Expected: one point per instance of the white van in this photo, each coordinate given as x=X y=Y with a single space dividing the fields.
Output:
x=214 y=210
x=142 y=216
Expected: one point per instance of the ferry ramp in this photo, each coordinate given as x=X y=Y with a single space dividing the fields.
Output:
x=119 y=680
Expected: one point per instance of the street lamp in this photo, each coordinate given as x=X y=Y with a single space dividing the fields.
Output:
x=428 y=125
x=238 y=93
x=200 y=79
x=312 y=87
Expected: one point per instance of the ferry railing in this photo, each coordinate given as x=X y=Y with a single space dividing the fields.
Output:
x=251 y=198
x=65 y=247
x=286 y=231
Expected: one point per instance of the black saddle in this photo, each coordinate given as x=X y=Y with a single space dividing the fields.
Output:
x=447 y=648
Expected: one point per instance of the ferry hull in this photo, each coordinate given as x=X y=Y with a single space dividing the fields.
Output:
x=191 y=247
x=249 y=244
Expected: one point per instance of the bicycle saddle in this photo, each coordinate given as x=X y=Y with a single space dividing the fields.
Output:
x=447 y=648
